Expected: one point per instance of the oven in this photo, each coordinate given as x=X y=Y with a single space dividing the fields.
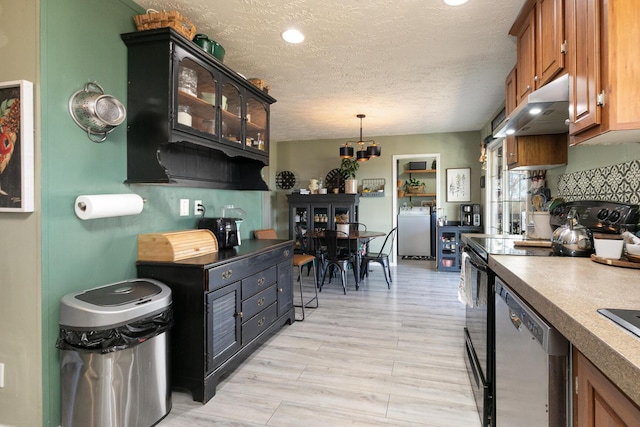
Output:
x=478 y=285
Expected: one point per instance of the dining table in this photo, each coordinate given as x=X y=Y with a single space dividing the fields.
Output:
x=362 y=239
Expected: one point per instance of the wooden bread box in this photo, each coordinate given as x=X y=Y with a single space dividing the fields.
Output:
x=176 y=245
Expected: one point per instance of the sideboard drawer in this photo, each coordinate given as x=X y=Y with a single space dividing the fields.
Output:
x=259 y=302
x=258 y=323
x=258 y=282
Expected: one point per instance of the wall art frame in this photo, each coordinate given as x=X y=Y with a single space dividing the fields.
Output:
x=458 y=184
x=16 y=146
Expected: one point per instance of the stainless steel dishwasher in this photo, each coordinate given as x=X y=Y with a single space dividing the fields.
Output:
x=531 y=366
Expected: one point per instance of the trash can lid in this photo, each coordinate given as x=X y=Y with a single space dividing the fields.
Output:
x=114 y=304
x=120 y=293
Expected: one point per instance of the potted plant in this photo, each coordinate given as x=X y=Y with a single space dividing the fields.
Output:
x=414 y=186
x=348 y=169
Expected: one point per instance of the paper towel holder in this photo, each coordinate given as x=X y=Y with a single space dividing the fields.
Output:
x=83 y=206
x=97 y=206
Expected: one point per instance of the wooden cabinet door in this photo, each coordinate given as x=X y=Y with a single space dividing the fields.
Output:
x=511 y=143
x=597 y=401
x=550 y=51
x=526 y=45
x=584 y=29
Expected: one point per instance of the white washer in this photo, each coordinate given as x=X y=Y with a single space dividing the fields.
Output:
x=414 y=231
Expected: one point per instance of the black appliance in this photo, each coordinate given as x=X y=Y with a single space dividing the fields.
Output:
x=479 y=324
x=598 y=216
x=225 y=230
x=471 y=215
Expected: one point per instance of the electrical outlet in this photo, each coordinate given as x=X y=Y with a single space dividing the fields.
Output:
x=184 y=207
x=1 y=375
x=197 y=207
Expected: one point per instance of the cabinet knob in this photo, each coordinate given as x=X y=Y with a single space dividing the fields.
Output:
x=240 y=314
x=261 y=281
x=528 y=88
x=261 y=302
x=227 y=274
x=261 y=322
x=567 y=122
x=280 y=290
x=535 y=79
x=286 y=253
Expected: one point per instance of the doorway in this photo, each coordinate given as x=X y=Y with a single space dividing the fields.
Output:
x=396 y=159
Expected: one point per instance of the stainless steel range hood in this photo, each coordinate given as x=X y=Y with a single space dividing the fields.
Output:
x=544 y=112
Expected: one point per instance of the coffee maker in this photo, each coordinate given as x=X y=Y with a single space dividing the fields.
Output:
x=470 y=215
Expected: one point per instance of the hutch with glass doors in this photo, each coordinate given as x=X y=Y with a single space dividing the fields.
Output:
x=318 y=211
x=192 y=120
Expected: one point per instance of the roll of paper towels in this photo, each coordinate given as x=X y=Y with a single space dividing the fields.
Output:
x=95 y=206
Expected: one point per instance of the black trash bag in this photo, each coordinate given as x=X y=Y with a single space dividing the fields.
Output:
x=115 y=339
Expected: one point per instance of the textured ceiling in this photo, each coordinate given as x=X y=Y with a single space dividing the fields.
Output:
x=412 y=66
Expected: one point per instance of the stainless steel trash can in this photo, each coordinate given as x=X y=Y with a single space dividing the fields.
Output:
x=114 y=355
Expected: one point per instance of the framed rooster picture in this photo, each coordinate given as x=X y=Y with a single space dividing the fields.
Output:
x=16 y=147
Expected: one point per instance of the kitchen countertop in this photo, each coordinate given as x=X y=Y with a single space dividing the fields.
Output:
x=567 y=292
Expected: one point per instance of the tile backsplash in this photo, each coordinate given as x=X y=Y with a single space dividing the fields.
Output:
x=618 y=183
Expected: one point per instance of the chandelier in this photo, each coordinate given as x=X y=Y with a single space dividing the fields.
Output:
x=362 y=155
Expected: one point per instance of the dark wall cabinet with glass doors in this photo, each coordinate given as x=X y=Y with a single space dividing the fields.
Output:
x=192 y=121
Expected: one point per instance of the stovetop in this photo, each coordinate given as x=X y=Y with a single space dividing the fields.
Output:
x=487 y=244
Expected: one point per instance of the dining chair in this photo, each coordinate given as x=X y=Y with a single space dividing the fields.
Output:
x=334 y=257
x=381 y=257
x=267 y=233
x=299 y=261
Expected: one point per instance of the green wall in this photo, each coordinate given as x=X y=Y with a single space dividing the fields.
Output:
x=80 y=41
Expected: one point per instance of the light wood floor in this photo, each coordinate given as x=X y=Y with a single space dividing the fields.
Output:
x=373 y=357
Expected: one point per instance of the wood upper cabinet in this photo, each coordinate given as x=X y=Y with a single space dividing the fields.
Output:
x=526 y=35
x=540 y=33
x=511 y=144
x=597 y=402
x=550 y=41
x=604 y=93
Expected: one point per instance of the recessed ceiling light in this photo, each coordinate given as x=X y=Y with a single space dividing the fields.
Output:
x=293 y=36
x=455 y=2
x=510 y=131
x=535 y=111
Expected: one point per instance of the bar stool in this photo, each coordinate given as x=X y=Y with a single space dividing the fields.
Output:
x=299 y=260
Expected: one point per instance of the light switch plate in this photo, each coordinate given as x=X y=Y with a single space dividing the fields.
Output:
x=184 y=207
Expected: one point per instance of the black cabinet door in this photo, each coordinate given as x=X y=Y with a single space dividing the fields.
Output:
x=285 y=286
x=223 y=324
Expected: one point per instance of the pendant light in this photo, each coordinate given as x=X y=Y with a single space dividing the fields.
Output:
x=362 y=155
x=346 y=151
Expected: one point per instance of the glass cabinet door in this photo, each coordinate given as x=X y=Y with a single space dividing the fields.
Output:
x=231 y=113
x=256 y=136
x=195 y=100
x=320 y=218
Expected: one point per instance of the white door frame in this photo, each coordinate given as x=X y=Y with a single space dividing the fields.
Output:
x=394 y=193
